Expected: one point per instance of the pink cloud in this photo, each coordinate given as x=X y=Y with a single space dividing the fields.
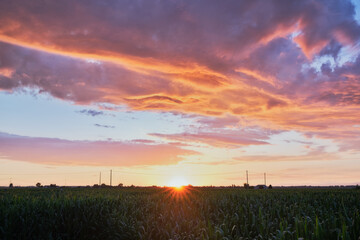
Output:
x=225 y=138
x=89 y=153
x=315 y=155
x=219 y=122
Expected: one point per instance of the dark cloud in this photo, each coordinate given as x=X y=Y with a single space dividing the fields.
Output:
x=7 y=83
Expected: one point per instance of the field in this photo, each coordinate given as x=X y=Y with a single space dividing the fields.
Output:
x=192 y=213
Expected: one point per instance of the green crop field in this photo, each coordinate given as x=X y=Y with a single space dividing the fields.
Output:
x=194 y=213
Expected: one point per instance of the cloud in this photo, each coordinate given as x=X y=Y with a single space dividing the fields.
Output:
x=144 y=141
x=103 y=126
x=316 y=175
x=91 y=112
x=225 y=138
x=185 y=30
x=253 y=62
x=89 y=153
x=310 y=156
x=216 y=140
x=219 y=122
x=83 y=82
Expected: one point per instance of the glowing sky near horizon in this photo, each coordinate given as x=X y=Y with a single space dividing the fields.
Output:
x=194 y=90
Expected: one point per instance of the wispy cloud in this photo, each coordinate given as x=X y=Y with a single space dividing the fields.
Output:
x=91 y=112
x=104 y=126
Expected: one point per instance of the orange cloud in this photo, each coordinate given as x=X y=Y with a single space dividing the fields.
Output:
x=310 y=49
x=258 y=76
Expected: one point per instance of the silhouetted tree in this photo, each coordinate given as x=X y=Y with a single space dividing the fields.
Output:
x=121 y=185
x=38 y=184
x=11 y=185
x=246 y=186
x=270 y=187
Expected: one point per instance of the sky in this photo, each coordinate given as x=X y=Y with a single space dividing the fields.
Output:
x=168 y=92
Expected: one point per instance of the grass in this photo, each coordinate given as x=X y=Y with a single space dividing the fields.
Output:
x=164 y=213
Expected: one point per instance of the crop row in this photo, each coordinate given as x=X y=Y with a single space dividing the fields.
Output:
x=164 y=213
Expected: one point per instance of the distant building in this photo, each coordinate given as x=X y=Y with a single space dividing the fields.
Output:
x=261 y=187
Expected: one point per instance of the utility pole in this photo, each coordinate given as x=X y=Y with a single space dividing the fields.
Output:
x=100 y=179
x=247 y=178
x=265 y=178
x=110 y=177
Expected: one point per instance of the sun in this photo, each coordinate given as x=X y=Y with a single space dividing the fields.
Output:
x=178 y=182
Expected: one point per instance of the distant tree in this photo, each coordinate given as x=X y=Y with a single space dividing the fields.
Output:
x=270 y=187
x=38 y=184
x=246 y=186
x=121 y=185
x=11 y=185
x=357 y=187
x=103 y=185
x=95 y=185
x=52 y=185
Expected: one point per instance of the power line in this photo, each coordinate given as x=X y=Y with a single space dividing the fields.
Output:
x=247 y=178
x=265 y=179
x=110 y=177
